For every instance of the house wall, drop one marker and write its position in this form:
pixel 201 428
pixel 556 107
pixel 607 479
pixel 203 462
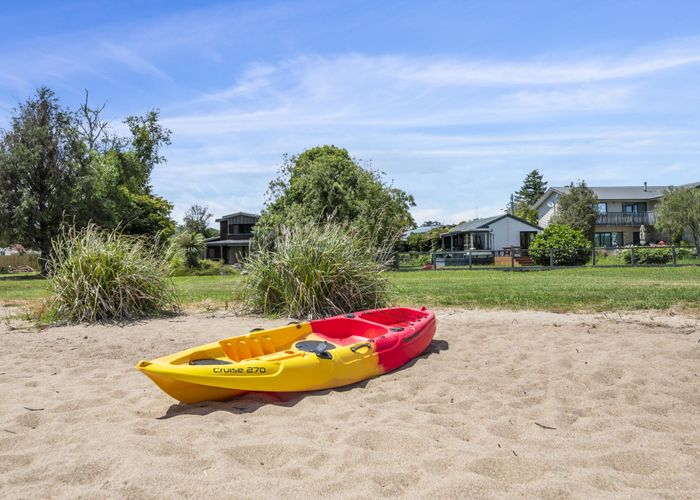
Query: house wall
pixel 506 232
pixel 545 212
pixel 616 205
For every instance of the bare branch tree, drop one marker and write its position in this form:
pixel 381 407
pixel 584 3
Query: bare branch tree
pixel 91 124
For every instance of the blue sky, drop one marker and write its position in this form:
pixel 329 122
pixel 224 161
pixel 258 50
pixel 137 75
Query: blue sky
pixel 455 101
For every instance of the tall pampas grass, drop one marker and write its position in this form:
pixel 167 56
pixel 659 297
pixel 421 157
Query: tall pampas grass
pixel 317 270
pixel 97 275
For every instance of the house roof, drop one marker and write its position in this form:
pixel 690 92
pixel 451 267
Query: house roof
pixel 483 224
pixel 419 230
pixel 616 192
pixel 228 216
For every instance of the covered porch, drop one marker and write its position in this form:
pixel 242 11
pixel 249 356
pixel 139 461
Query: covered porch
pixel 478 239
pixel 228 251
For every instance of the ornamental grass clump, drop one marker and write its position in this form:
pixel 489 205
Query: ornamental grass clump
pixel 316 270
pixel 97 275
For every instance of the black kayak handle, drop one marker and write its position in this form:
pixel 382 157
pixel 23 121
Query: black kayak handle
pixel 356 347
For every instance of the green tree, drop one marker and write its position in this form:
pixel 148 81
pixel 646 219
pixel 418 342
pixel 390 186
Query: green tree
pixel 43 167
pixel 679 211
pixel 425 242
pixel 325 182
pixel 121 194
pixel 534 186
pixel 577 209
pixel 196 220
pixel 561 245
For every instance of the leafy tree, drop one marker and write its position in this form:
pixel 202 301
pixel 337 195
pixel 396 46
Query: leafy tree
pixel 325 182
pixel 197 219
pixel 431 223
pixel 121 169
pixel 679 211
pixel 568 246
pixel 425 242
pixel 577 209
pixel 43 166
pixel 534 186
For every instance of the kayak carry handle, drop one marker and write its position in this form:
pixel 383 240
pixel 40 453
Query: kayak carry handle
pixel 356 347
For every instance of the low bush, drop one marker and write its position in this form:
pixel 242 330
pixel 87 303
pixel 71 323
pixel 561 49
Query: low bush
pixel 204 268
pixel 646 255
pixel 99 275
pixel 316 270
pixel 568 246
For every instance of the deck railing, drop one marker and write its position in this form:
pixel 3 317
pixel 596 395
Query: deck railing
pixel 626 219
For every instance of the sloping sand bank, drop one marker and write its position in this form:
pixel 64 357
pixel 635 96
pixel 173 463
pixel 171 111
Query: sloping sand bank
pixel 502 404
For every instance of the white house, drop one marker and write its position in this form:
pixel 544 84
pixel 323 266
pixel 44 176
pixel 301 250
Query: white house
pixel 492 233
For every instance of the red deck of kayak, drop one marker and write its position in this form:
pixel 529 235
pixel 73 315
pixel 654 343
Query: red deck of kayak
pixel 398 335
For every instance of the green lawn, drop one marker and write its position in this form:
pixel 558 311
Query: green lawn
pixel 559 290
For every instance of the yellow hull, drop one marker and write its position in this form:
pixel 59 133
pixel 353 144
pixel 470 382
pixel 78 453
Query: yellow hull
pixel 284 369
pixel 321 354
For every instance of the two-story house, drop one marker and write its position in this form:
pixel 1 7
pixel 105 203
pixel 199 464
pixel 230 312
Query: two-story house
pixel 626 214
pixel 233 243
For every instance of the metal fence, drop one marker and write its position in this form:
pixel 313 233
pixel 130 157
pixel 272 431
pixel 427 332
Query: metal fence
pixel 517 259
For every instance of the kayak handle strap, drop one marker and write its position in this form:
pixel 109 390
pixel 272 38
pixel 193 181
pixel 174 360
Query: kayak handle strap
pixel 356 347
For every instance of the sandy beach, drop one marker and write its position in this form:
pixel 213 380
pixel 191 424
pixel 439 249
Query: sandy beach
pixel 503 404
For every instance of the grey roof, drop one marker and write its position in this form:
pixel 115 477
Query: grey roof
pixel 483 224
pixel 604 193
pixel 228 216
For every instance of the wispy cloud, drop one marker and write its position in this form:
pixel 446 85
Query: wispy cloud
pixel 458 130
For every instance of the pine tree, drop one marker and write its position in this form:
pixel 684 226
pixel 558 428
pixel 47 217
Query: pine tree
pixel 43 166
pixel 577 209
pixel 534 186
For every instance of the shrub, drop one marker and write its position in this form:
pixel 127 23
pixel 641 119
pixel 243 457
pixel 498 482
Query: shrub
pixel 104 275
pixel 571 248
pixel 187 248
pixel 205 268
pixel 316 270
pixel 657 255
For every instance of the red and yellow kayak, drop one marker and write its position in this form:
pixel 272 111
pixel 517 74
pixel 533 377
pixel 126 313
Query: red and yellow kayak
pixel 307 356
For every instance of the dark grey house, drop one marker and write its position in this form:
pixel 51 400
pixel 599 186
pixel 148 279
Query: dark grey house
pixel 233 242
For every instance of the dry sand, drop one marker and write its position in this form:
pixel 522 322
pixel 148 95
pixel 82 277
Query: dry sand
pixel 503 404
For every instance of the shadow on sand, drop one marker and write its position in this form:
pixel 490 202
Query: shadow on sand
pixel 252 401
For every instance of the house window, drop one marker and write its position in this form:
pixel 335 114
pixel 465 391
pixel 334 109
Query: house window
pixel 602 208
pixel 608 239
pixel 634 208
pixel 635 238
pixel 240 228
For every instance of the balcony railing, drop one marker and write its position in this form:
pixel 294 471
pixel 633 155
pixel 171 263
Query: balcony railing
pixel 626 219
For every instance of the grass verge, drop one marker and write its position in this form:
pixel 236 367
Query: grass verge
pixel 586 289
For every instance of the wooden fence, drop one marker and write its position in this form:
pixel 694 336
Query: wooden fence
pixel 14 261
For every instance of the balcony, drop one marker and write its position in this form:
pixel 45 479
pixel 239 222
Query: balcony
pixel 626 219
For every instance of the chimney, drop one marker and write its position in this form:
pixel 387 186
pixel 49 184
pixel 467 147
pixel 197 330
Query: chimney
pixel 645 186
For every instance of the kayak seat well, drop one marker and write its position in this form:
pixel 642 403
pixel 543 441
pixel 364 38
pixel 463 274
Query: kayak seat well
pixel 347 331
pixel 399 317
